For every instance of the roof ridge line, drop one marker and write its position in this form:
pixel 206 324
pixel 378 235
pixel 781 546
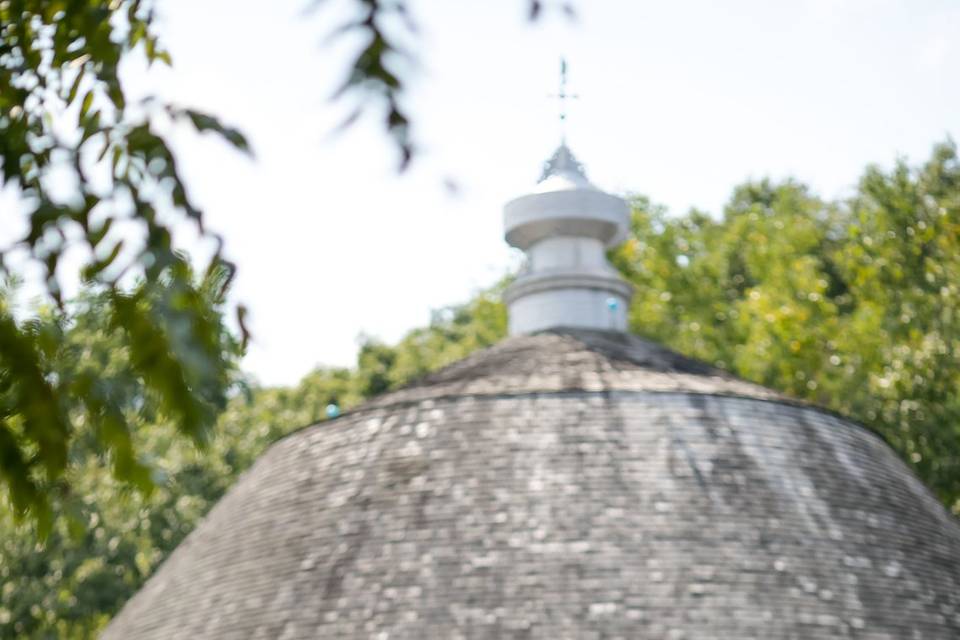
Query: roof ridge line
pixel 784 401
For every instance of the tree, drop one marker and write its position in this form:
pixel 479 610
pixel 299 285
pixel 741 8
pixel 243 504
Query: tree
pixel 851 305
pixel 109 536
pixel 63 112
pixel 454 333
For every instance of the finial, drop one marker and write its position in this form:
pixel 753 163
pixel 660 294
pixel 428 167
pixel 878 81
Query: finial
pixel 562 98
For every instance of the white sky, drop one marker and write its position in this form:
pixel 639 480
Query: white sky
pixel 680 100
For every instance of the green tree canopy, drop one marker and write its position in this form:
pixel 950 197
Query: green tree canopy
pixel 65 120
pixel 852 305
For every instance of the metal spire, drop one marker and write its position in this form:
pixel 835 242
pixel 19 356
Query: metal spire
pixel 562 98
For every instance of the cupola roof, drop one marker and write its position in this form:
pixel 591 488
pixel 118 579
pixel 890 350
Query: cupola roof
pixel 563 171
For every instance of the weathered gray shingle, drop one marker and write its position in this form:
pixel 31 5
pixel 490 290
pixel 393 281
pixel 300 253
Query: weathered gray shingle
pixel 567 485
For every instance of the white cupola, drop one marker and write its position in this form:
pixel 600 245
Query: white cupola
pixel 565 227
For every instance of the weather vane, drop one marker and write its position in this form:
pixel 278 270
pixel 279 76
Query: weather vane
pixel 562 98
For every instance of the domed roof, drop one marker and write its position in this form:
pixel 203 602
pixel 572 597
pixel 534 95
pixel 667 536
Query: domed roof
pixel 569 484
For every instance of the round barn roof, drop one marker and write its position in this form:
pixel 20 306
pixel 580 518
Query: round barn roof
pixel 569 484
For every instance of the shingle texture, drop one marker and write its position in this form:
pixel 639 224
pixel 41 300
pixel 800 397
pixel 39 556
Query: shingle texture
pixel 567 485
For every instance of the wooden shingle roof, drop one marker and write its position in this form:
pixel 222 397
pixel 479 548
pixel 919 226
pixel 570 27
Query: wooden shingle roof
pixel 570 484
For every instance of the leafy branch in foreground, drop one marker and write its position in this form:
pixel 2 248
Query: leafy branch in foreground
pixel 373 77
pixel 97 179
pixel 110 535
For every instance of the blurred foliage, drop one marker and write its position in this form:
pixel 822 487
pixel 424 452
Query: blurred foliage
pixel 853 305
pixel 453 333
pixel 375 79
pixel 122 506
pixel 85 163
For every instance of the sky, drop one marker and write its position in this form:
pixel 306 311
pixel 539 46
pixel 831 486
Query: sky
pixel 679 100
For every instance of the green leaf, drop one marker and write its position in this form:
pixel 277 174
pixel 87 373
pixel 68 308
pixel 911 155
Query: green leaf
pixel 86 104
pixel 75 87
pixel 205 122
